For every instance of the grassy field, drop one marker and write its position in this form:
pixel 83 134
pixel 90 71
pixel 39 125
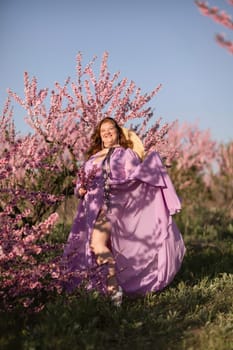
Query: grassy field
pixel 194 312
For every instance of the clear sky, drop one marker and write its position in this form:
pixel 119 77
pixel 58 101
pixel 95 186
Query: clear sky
pixel 149 42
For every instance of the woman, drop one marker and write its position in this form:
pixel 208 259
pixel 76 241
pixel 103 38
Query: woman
pixel 124 227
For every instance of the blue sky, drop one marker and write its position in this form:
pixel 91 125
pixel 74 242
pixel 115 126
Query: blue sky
pixel 149 42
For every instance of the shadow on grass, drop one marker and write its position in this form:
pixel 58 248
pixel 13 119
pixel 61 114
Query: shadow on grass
pixel 89 322
pixel 206 259
pixel 161 321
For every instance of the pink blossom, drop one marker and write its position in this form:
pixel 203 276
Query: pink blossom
pixel 221 17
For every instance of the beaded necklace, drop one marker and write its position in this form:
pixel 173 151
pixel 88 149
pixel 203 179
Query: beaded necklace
pixel 106 175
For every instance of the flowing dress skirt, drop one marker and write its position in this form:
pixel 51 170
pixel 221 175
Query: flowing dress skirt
pixel 146 244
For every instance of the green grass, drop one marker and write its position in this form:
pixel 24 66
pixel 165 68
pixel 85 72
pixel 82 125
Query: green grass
pixel 194 312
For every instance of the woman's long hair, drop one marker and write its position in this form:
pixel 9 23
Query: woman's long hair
pixel 96 142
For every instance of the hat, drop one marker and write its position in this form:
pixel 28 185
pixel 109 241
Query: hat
pixel 137 143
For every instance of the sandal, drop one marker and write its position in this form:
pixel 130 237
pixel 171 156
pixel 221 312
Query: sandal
pixel 117 296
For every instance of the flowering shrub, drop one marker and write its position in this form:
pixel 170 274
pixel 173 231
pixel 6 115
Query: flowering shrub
pixel 222 180
pixel 194 154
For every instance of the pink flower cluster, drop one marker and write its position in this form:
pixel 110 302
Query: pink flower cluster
pixel 220 17
pixel 227 44
pixel 85 180
pixel 21 247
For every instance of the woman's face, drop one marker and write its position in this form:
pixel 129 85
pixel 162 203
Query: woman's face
pixel 108 134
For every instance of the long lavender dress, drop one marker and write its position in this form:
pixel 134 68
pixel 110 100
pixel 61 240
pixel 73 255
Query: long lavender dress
pixel 145 241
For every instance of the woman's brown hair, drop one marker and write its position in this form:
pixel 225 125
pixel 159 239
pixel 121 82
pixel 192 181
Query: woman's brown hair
pixel 96 142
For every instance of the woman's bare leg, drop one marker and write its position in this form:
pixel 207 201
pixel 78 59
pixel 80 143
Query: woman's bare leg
pixel 99 245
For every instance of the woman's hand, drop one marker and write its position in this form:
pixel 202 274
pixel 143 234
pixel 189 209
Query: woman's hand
pixel 82 191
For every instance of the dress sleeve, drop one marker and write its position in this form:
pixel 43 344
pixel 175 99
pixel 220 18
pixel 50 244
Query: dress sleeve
pixel 131 161
pixel 123 163
pixel 154 173
pixel 126 166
